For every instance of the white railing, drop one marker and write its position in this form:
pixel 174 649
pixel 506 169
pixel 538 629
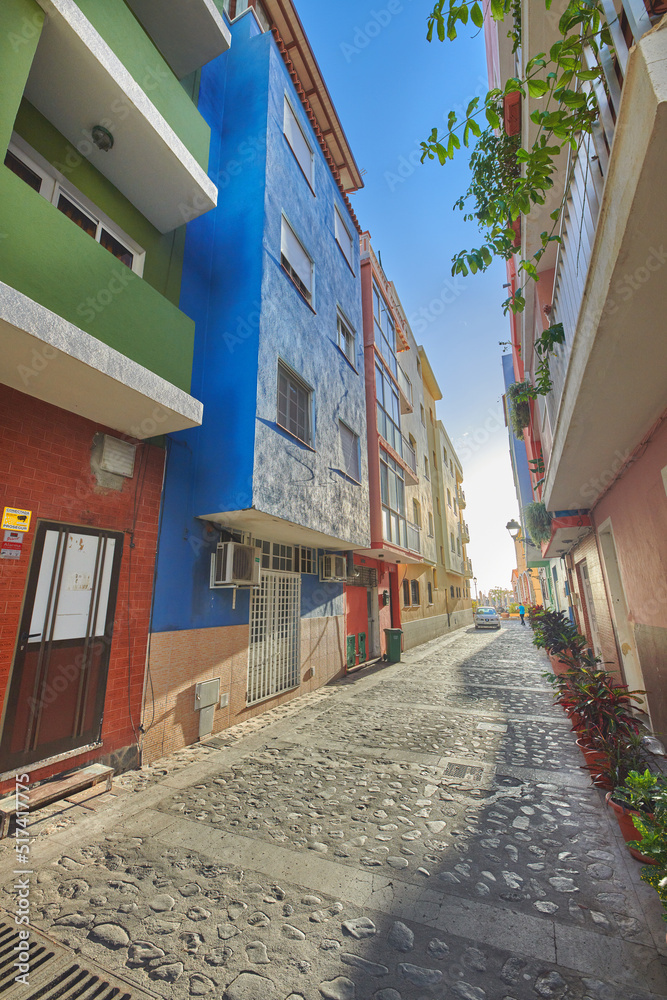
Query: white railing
pixel 414 535
pixel 410 456
pixel 405 385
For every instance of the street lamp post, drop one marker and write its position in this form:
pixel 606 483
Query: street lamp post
pixel 474 580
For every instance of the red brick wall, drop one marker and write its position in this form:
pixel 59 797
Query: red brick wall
pixel 45 458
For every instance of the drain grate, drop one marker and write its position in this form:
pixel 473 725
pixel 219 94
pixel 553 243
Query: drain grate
pixel 464 771
pixel 55 973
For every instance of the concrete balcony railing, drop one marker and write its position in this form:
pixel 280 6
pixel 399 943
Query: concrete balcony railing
pixel 109 346
pixel 465 533
pixel 467 570
pixel 461 498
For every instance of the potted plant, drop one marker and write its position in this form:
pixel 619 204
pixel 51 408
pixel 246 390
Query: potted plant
pixel 636 797
pixel 538 522
pixel 653 843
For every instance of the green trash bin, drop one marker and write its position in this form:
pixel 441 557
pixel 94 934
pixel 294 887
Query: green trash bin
pixel 351 651
pixel 394 636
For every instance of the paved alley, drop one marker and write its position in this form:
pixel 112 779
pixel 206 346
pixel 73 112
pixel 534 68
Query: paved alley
pixel 422 830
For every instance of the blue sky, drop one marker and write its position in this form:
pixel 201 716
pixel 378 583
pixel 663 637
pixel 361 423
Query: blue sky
pixel 390 87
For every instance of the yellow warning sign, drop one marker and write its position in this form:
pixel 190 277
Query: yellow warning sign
pixel 15 519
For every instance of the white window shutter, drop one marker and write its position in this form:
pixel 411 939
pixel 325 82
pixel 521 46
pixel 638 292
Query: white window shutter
pixel 298 142
pixel 296 255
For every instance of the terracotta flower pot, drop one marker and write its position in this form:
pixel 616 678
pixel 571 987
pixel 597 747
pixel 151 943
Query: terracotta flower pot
pixel 628 828
pixel 557 664
pixel 595 764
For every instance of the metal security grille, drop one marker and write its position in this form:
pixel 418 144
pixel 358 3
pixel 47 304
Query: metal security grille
pixel 56 973
pixel 275 649
pixel 363 577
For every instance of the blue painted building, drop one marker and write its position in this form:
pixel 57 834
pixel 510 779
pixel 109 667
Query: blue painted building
pixel 263 501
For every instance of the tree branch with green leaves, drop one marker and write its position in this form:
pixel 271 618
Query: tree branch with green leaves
pixel 508 178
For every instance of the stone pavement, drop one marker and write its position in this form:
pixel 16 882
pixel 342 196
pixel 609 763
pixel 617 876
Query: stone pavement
pixel 421 831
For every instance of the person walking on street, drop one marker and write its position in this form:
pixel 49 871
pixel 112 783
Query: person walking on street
pixel 522 612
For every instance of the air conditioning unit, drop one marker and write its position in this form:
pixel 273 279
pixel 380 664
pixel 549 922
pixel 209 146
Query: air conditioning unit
pixel 333 569
pixel 235 565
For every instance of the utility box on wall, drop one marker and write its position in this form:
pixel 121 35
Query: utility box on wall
pixel 207 696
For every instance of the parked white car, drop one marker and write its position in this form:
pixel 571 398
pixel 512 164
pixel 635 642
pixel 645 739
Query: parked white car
pixel 487 618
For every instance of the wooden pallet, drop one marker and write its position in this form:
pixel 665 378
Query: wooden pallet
pixel 52 791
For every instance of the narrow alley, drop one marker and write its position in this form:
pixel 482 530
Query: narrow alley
pixel 421 830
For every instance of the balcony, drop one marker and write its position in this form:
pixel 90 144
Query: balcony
pixel 110 73
pixel 83 331
pixel 188 36
pixel 405 390
pixel 607 290
pixel 465 533
pixel 467 570
pixel 461 498
pixel 410 459
pixel 414 537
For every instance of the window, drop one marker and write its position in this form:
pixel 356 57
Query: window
pixel 346 338
pixel 385 330
pixel 435 579
pixel 430 524
pixel 423 416
pixel 305 560
pixel 449 498
pixel 437 504
pixel 416 513
pixel 426 473
pixel 296 261
pixel 388 409
pixel 456 507
pixel 442 555
pixel 392 493
pixel 75 208
pixel 451 535
pixel 349 445
pixel 23 171
pixel 444 455
pixel 414 587
pixel 451 590
pixel 429 592
pixel 430 413
pixel 406 593
pixel 451 466
pixel 298 143
pixel 435 462
pixel 343 238
pixel 458 591
pixel 294 404
pixel 458 546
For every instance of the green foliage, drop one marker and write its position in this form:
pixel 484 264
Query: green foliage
pixel 561 78
pixel 653 844
pixel 518 396
pixel 538 522
pixel 640 791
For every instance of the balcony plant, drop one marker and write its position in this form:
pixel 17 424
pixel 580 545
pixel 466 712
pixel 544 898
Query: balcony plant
pixel 538 522
pixel 519 407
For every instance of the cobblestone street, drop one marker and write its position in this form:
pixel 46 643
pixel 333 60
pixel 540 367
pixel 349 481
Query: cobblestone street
pixel 421 830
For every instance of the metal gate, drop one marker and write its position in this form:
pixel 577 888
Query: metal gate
pixel 274 655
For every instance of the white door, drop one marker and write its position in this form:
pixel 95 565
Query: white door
pixel 274 654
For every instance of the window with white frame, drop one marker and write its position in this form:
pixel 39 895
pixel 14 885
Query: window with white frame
pixel 296 261
pixel 298 142
pixel 388 409
pixel 294 404
pixel 35 172
pixel 392 493
pixel 349 446
pixel 346 338
pixel 343 238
